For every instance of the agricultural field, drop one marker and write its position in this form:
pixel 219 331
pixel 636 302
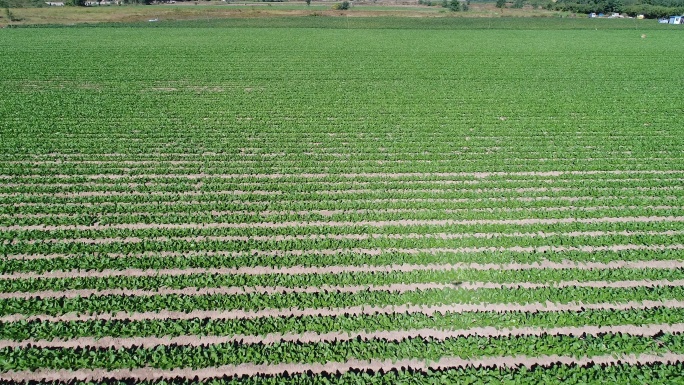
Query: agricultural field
pixel 185 204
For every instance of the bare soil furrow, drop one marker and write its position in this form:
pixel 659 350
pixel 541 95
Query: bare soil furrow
pixel 86 194
pixel 405 222
pixel 332 337
pixel 374 365
pixel 170 272
pixel 395 288
pixel 348 311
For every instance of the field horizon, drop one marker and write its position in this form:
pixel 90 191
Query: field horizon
pixel 219 13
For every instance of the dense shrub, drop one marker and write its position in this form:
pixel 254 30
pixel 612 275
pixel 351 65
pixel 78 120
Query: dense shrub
pixel 342 6
pixel 648 8
pixel 652 11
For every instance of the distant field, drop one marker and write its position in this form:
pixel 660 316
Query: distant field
pixel 347 201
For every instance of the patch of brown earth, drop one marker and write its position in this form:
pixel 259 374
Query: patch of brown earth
pixel 478 175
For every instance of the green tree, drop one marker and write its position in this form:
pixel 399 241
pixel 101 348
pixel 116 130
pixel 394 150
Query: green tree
pixel 501 3
pixel 455 5
pixel 613 6
pixel 518 3
pixel 308 2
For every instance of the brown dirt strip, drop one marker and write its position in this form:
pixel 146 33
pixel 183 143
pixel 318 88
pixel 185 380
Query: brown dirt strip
pixel 86 194
pixel 374 365
pixel 289 183
pixel 330 213
pixel 478 175
pixel 176 272
pixel 121 184
pixel 355 237
pixel 228 156
pixel 347 311
pixel 394 288
pixel 333 337
pixel 154 159
pixel 206 155
pixel 405 222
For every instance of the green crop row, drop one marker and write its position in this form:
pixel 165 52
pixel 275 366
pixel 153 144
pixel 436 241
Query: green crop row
pixel 201 205
pixel 396 193
pixel 325 299
pixel 568 224
pixel 195 240
pixel 174 184
pixel 540 276
pixel 165 217
pixel 665 374
pixel 539 249
pixel 168 357
pixel 478 161
pixel 209 260
pixel 38 330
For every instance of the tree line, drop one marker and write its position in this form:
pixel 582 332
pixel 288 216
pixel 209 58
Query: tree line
pixel 648 8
